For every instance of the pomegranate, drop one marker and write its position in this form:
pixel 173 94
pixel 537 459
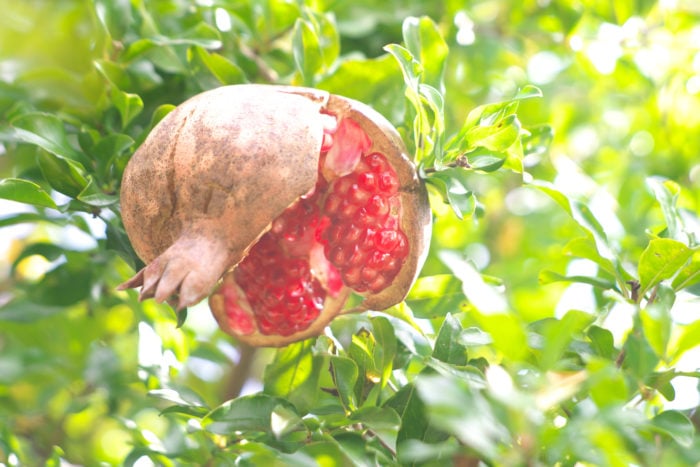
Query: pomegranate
pixel 278 202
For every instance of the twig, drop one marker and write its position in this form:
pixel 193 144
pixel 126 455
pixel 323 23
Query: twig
pixel 461 161
pixel 240 372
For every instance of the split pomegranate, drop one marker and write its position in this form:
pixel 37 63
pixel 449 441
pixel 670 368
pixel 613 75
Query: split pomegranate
pixel 278 202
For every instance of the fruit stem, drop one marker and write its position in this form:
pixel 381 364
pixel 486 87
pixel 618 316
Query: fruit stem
pixel 461 161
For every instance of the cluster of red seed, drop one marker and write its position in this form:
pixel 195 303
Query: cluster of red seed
pixel 364 241
pixel 276 276
pixel 355 218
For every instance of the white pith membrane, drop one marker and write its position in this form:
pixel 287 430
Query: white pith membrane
pixel 345 234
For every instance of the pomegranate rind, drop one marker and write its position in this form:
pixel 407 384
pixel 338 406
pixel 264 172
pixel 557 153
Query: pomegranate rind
pixel 251 151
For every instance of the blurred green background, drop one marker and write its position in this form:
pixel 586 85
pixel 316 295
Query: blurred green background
pixel 621 93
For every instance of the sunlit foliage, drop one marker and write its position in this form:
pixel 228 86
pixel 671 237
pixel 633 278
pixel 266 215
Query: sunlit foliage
pixel 557 319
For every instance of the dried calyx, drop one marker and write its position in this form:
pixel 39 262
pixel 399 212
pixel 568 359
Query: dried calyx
pixel 278 203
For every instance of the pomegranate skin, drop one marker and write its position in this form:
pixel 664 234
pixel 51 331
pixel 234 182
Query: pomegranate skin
pixel 216 171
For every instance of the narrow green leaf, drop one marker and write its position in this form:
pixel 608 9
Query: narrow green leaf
pixel 345 374
pixel 661 260
pixel 666 193
pixel 497 137
pixel 548 277
pixel 425 42
pixel 410 67
pixel 306 50
pixel 411 410
pixel 24 191
pixel 180 396
pixel 46 131
pixel 528 92
pixel 385 348
pixel 28 217
pixel 656 320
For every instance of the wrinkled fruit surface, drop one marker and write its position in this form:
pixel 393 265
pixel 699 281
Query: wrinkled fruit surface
pixel 358 222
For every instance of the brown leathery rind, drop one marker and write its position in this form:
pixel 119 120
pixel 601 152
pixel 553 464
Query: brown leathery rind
pixel 252 150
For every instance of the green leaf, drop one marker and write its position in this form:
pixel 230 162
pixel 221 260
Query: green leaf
pixel 474 336
pixel 686 338
pixel 94 196
pixel 640 358
pixel 182 397
pixel 411 410
pixel 24 191
pixel 656 320
pixel 224 70
pixel 602 341
pixel 666 193
pixel 583 216
pixel 606 383
pixel 118 241
pixel 689 275
pixel 491 310
pixel 46 131
pixel 385 349
pixel 129 105
pixel 28 217
pixel 433 296
pixel 307 52
pixel 64 175
pixel 451 185
pixel 345 375
pixel 448 346
pixel 383 421
pixel 675 425
pixel 661 260
pixel 528 92
pixel 410 67
pixel 460 410
pixel 294 374
pixel 557 334
pixel 425 42
pixel 585 247
pixel 254 413
pixel 496 137
pixel 549 277
pixel 67 283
